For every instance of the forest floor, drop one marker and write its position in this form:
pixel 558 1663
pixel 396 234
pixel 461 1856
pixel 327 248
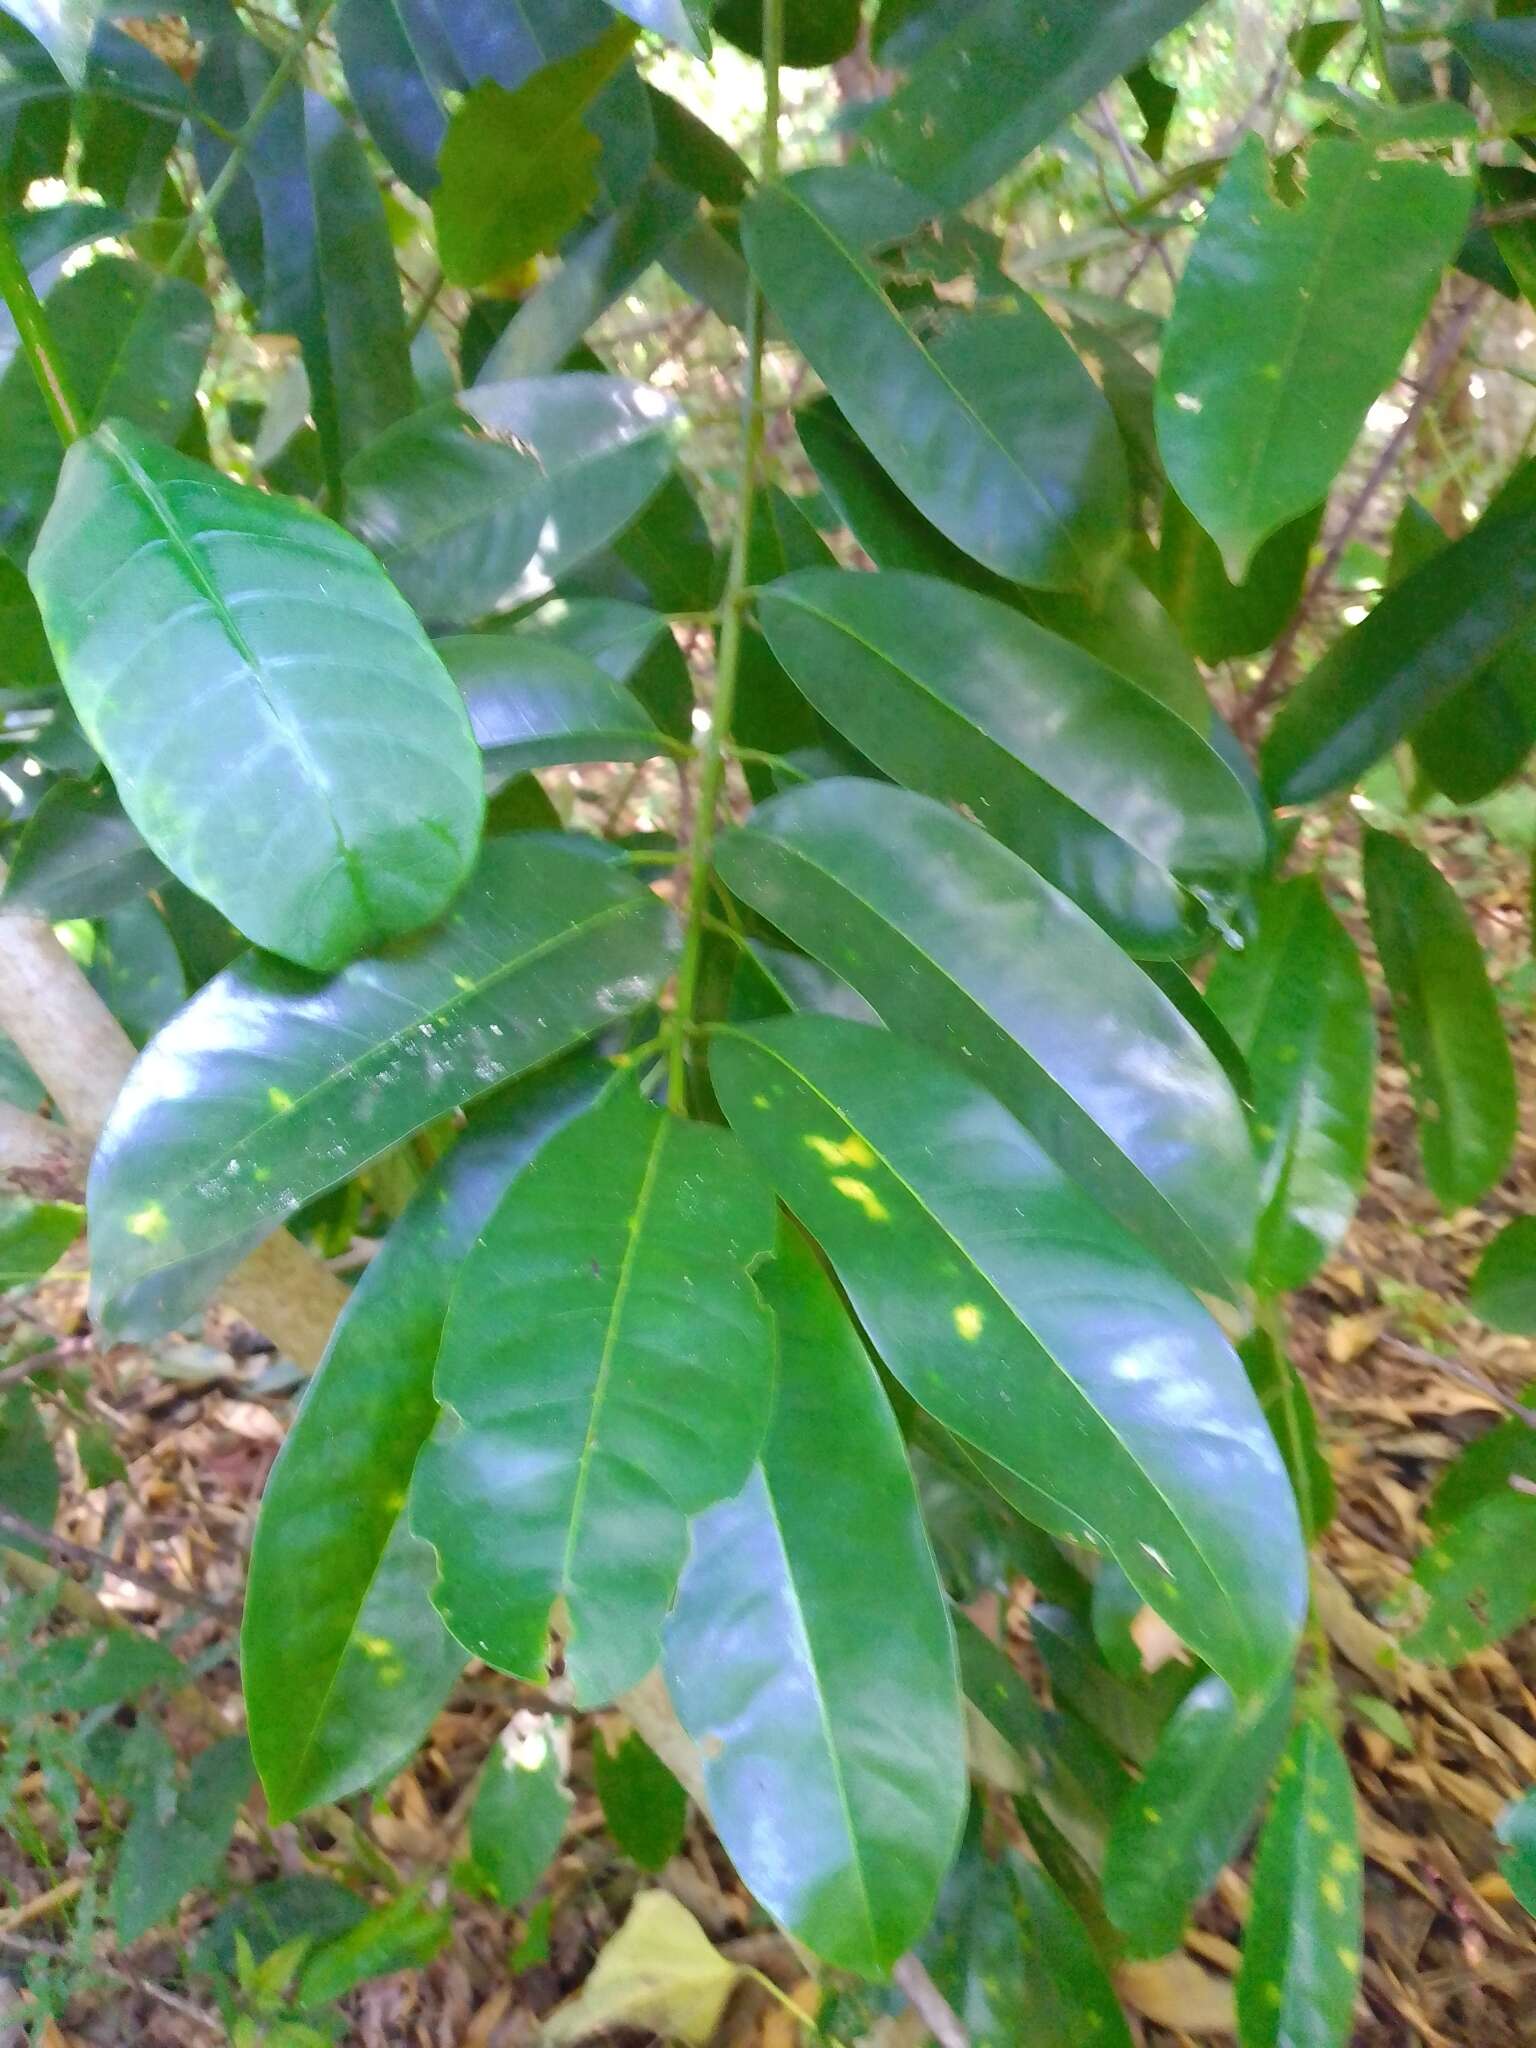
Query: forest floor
pixel 1450 1959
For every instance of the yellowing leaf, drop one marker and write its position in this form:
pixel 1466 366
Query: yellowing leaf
pixel 659 1974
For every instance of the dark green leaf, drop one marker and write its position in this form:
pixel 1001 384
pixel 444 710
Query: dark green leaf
pixel 1504 1285
pixel 533 704
pixel 841 1819
pixel 1292 1420
pixel 1501 55
pixel 1454 1046
pixel 270 1915
pixel 34 1236
pixel 667 545
pixel 816 32
pixel 606 1309
pixel 995 431
pixel 685 22
pixel 131 346
pixel 968 1258
pixel 1301 1949
pixel 256 690
pixel 1479 1575
pixel 405 1934
pixel 645 1808
pixel 517 170
pixel 29 1472
pixel 273 1085
pixel 1156 101
pixel 1296 1003
pixel 630 644
pixel 1128 1710
pixel 1218 618
pixel 1516 1829
pixel 1112 798
pixel 63 27
pixel 136 969
pixel 1288 322
pixel 1191 1811
pixel 959 944
pixel 344 1659
pixel 161 1857
pixel 26 660
pixel 1002 80
pixel 79 855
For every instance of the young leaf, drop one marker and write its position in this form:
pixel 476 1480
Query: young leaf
pixel 1454 1045
pixel 78 856
pixel 1112 798
pixel 255 689
pixel 971 1261
pixel 645 1809
pixel 518 169
pixel 520 1812
pixel 1504 1285
pixel 343 1657
pixel 995 431
pixel 1191 1811
pixel 958 944
pixel 1301 1949
pixel 1296 1002
pixel 1002 80
pixel 532 703
pixel 1288 322
pixel 841 1819
pixel 272 1086
pixel 162 1858
pixel 34 1236
pixel 607 1311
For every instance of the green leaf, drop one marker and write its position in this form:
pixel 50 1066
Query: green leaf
pixel 404 1934
pixel 344 1660
pixel 1292 1421
pixel 1504 1285
pixel 632 645
pixel 63 27
pixel 34 1236
pixel 1109 796
pixel 1002 80
pixel 1460 1068
pixel 960 945
pixel 521 1813
pixel 1019 1316
pixel 163 1857
pixel 995 431
pixel 132 347
pixel 29 1472
pixel 136 970
pixel 1501 56
pixel 257 690
pixel 1191 1811
pixel 1295 1001
pixel 1479 1575
pixel 1516 1829
pixel 79 855
pixel 1218 618
pixel 518 169
pixel 533 704
pixel 273 1913
pixel 816 32
pixel 1129 1709
pixel 607 1307
pixel 840 1819
pixel 684 22
pixel 272 1086
pixel 644 1807
pixel 1288 322
pixel 1301 1949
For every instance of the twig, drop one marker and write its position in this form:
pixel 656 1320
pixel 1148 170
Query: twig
pixel 40 1907
pixel 147 1985
pixel 1446 349
pixel 69 1552
pixel 44 1361
pixel 929 2003
pixel 1455 1370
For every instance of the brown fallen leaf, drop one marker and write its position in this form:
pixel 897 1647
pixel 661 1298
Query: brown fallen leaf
pixel 1175 1992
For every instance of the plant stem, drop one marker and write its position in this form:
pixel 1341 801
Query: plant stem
pixel 32 326
pixel 1373 15
pixel 715 751
pixel 276 86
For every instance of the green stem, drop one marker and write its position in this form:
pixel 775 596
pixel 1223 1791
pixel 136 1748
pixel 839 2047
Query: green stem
pixel 32 326
pixel 276 86
pixel 1374 16
pixel 715 751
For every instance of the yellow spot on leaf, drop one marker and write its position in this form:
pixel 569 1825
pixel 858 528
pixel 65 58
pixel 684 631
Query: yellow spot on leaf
pixel 151 1221
pixel 1348 1957
pixel 1151 1816
pixel 1317 1822
pixel 968 1321
pixel 1343 1858
pixel 861 1192
pixel 1273 1994
pixel 759 1102
pixel 280 1100
pixel 851 1151
pixel 1332 1894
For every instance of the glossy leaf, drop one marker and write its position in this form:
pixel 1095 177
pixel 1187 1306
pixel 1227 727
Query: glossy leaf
pixel 995 431
pixel 163 1857
pixel 816 32
pixel 532 703
pixel 1292 1420
pixel 136 970
pixel 272 1085
pixel 1460 1068
pixel 63 27
pixel 520 1813
pixel 79 855
pixel 1002 80
pixel 1191 1811
pixel 1301 1949
pixel 132 347
pixel 1289 321
pixel 1109 796
pixel 632 645
pixel 1218 618
pixel 607 1307
pixel 786 1648
pixel 1295 1001
pixel 1516 1829
pixel 34 1236
pixel 645 1809
pixel 685 22
pixel 517 170
pixel 1428 637
pixel 960 945
pixel 344 1660
pixel 1504 1285
pixel 255 729
pixel 968 1258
